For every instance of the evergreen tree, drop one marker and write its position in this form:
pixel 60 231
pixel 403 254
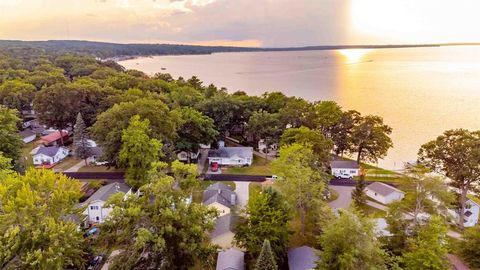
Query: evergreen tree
pixel 80 139
pixel 358 194
pixel 266 260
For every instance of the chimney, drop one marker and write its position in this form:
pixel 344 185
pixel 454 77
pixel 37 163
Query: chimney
pixel 233 199
pixel 219 191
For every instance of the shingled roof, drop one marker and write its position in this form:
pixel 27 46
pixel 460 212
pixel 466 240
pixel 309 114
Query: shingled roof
pixel 230 259
pixel 302 258
pixel 344 164
pixel 50 151
pixel 227 152
pixel 382 189
pixel 219 193
pixel 106 191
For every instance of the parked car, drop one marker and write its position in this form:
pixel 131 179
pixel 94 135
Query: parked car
pixel 95 262
pixel 90 232
pixel 214 167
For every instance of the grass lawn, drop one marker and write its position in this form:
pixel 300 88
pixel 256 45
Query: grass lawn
pixel 99 169
pixel 67 163
pixel 372 212
pixel 26 158
pixel 260 166
pixel 197 195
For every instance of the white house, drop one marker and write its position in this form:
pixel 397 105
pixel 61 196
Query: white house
pixel 49 155
pixel 220 197
pixel 472 210
pixel 231 156
pixel 383 193
pixel 184 156
pixel 95 211
pixel 27 135
pixel 345 168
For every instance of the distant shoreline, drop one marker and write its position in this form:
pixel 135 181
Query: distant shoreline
pixel 296 49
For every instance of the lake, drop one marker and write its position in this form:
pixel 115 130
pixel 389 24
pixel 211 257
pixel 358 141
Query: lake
pixel 420 92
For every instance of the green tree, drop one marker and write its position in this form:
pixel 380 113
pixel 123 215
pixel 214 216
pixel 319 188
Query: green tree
pixel 455 154
pixel 110 124
pixel 80 139
pixel 10 141
pixel 34 231
pixel 428 249
pixel 138 152
pixel 349 243
pixel 16 94
pixel 266 217
pixel 299 178
pixel 371 139
pixel 469 248
pixel 266 126
pixel 296 113
pixel 195 129
pixel 326 115
pixel 266 260
pixel 342 132
pixel 321 146
pixel 159 230
pixel 221 108
pixel 358 194
pixel 274 101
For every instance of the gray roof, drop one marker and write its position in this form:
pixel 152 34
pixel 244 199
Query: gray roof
pixel 96 151
pixel 50 151
pixel 103 193
pixel 344 164
pixel 302 258
pixel 220 193
pixel 230 259
pixel 382 189
pixel 27 133
pixel 222 225
pixel 226 152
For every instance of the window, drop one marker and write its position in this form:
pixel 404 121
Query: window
pixel 97 218
pixel 353 171
pixel 94 207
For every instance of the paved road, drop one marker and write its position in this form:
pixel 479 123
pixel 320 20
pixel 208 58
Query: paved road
pixel 235 177
pixel 241 188
pixel 344 197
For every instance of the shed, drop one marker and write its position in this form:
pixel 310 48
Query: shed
pixel 384 193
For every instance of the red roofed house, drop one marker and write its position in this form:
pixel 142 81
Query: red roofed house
pixel 54 139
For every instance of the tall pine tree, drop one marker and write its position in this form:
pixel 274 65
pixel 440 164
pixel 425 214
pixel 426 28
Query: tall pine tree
pixel 80 139
pixel 266 260
pixel 358 194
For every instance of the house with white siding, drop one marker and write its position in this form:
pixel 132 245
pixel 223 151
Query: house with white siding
pixel 95 210
pixel 231 156
pixel 221 197
pixel 48 155
pixel 344 168
pixel 384 193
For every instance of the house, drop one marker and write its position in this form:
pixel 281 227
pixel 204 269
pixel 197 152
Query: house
pixel 185 156
pixel 220 197
pixel 231 156
pixel 54 139
pixel 345 168
pixel 230 259
pixel 49 155
pixel 27 135
pixel 472 210
pixel 222 235
pixel 383 193
pixel 302 258
pixel 95 211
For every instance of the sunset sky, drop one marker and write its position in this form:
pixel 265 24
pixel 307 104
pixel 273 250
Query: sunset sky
pixel 268 23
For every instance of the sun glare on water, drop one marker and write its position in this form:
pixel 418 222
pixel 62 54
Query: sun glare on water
pixel 353 55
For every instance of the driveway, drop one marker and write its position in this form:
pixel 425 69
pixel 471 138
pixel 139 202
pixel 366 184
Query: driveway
pixel 76 167
pixel 344 197
pixel 202 160
pixel 241 188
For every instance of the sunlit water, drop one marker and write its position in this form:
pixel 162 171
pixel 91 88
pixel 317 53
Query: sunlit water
pixel 420 92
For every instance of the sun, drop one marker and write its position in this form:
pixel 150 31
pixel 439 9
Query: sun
pixel 353 55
